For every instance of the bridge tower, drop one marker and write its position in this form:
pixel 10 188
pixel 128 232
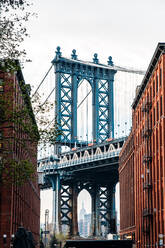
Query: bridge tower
pixel 68 75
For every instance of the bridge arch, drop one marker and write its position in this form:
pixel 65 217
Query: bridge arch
pixel 98 151
pixel 75 156
pixel 111 148
pixel 86 154
pixel 84 111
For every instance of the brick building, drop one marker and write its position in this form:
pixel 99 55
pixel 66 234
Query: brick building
pixel 149 155
pixel 127 197
pixel 19 204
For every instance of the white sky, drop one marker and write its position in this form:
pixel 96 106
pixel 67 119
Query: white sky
pixel 127 30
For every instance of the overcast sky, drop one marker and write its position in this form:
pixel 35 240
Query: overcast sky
pixel 127 30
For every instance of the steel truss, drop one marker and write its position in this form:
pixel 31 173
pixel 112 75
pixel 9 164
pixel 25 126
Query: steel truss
pixel 66 207
pixel 69 75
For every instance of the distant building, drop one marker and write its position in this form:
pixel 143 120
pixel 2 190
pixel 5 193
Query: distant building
pixel 84 223
pixel 19 205
pixel 87 225
pixel 81 227
pixel 144 162
pixel 82 212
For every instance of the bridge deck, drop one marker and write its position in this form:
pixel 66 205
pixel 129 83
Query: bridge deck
pixel 99 244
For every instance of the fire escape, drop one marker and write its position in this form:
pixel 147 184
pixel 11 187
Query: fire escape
pixel 147 160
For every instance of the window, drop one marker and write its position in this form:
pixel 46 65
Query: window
pixel 161 106
pixel 1 85
pixel 151 93
pixel 1 135
pixel 160 132
pixel 153 88
pixel 154 116
pixel 157 111
pixel 157 83
pixel 160 77
pixel 151 120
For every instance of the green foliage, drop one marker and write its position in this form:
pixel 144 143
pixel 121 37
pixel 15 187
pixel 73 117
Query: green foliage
pixel 13 17
pixel 61 237
pixel 58 239
pixel 53 241
pixel 24 132
pixel 16 172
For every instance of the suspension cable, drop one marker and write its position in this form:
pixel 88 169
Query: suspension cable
pixel 84 98
pixel 46 100
pixel 46 128
pixel 42 81
pixel 87 111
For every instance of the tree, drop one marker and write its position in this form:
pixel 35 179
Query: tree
pixel 53 242
pixel 18 128
pixel 58 240
pixel 13 17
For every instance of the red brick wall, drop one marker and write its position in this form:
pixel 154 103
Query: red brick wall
pixel 126 179
pixel 19 205
pixel 148 134
pixel 150 225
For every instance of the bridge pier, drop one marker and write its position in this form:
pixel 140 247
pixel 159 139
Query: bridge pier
pixel 95 230
pixel 112 210
pixel 74 211
pixel 64 217
pixel 55 181
pixel 103 210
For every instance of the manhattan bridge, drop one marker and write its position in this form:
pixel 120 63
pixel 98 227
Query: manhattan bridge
pixel 93 110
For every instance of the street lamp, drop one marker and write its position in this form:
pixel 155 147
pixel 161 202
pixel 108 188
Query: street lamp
pixel 46 222
pixel 12 239
pixel 4 239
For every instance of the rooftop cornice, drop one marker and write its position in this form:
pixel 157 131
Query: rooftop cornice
pixel 160 49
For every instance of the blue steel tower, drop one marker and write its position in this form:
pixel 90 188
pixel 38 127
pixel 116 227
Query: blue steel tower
pixel 68 75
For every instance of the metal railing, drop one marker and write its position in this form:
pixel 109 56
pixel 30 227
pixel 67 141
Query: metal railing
pixel 48 165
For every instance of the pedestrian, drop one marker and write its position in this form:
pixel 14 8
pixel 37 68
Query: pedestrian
pixel 41 244
pixel 20 239
pixel 31 241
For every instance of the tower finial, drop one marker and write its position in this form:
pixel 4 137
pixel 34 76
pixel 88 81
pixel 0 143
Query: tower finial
pixel 95 59
pixel 110 62
pixel 74 55
pixel 58 52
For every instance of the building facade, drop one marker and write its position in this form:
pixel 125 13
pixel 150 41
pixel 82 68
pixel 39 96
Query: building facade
pixel 127 194
pixel 149 154
pixel 19 201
